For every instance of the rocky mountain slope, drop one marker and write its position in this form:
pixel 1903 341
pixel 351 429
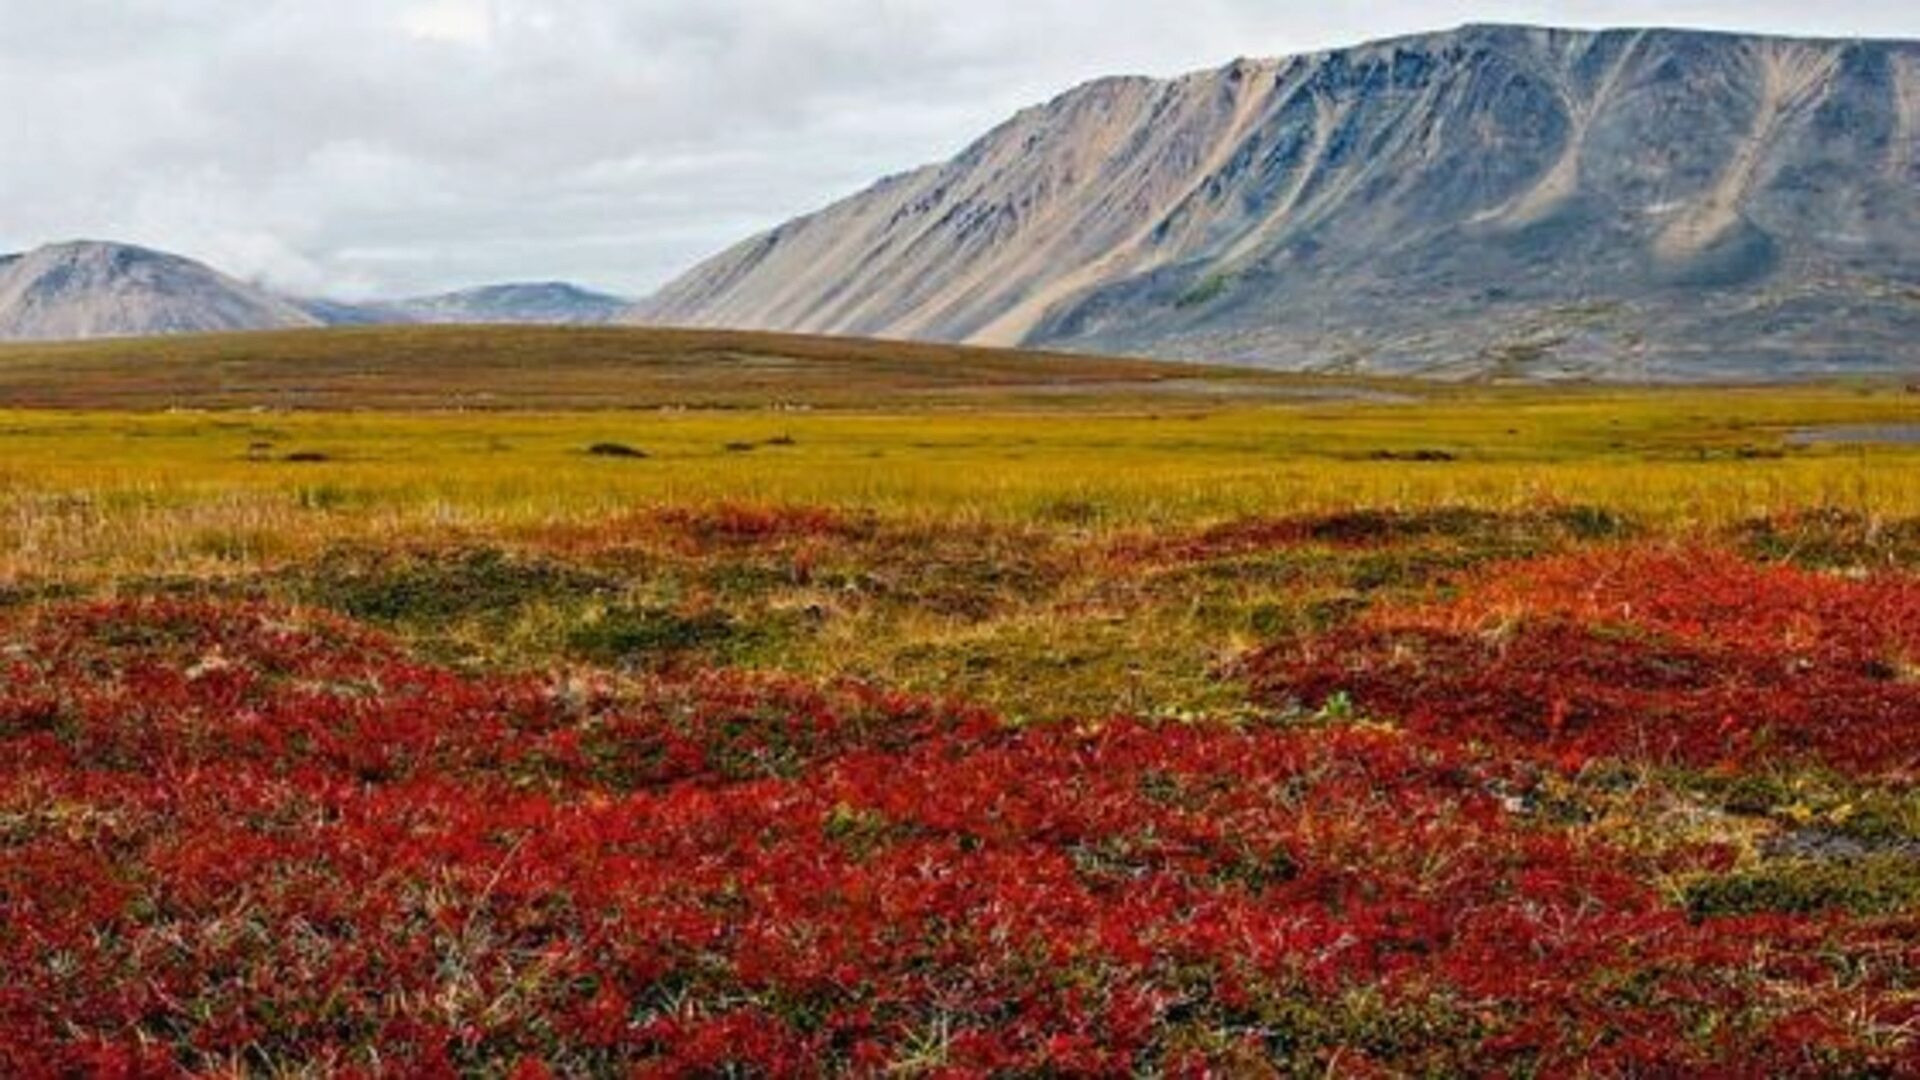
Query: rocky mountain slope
pixel 1494 200
pixel 90 290
pixel 549 303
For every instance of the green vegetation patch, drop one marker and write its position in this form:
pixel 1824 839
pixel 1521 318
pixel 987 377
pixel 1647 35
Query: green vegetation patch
pixel 441 586
pixel 1880 884
pixel 1838 807
pixel 649 636
pixel 1205 291
pixel 1831 538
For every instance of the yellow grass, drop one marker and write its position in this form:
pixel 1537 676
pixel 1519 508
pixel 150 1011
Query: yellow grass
pixel 85 494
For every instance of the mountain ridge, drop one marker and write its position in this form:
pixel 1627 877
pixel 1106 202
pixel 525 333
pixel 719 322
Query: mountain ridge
pixel 81 289
pixel 522 302
pixel 89 288
pixel 1493 199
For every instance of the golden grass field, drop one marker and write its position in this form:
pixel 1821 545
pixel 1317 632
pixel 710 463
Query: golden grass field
pixel 85 490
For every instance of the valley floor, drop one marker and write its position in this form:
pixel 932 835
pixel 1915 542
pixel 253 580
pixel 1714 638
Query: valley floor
pixel 1477 730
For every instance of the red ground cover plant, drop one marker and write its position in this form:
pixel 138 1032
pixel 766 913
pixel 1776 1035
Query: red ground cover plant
pixel 236 838
pixel 1684 656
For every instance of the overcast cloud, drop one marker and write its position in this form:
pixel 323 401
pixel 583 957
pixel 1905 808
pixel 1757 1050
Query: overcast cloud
pixel 377 147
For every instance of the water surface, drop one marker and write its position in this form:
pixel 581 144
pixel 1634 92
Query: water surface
pixel 1857 435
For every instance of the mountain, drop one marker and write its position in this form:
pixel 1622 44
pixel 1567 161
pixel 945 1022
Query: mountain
pixel 551 302
pixel 88 290
pixel 348 313
pixel 91 289
pixel 1495 200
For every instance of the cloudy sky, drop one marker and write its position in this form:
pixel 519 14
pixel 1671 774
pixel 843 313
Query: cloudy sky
pixel 376 147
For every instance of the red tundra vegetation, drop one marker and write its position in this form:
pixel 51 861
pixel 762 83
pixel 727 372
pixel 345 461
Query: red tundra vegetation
pixel 1667 655
pixel 243 838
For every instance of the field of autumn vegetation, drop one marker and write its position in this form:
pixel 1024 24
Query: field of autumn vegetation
pixel 1124 722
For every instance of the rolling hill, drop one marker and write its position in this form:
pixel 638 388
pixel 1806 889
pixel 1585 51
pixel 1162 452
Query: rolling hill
pixel 603 367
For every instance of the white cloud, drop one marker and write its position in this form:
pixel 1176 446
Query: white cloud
pixel 363 146
pixel 459 22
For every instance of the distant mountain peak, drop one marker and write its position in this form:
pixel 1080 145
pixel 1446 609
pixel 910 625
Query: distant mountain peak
pixel 1494 199
pixel 552 302
pixel 96 288
pixel 93 288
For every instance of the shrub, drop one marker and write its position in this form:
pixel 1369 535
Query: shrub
pixel 615 450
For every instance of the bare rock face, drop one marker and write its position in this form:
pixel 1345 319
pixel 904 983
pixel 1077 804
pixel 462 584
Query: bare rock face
pixel 1494 200
pixel 90 290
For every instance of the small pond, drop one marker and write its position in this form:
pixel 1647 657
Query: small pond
pixel 1857 435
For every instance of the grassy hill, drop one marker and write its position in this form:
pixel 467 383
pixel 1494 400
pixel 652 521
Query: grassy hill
pixel 549 368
